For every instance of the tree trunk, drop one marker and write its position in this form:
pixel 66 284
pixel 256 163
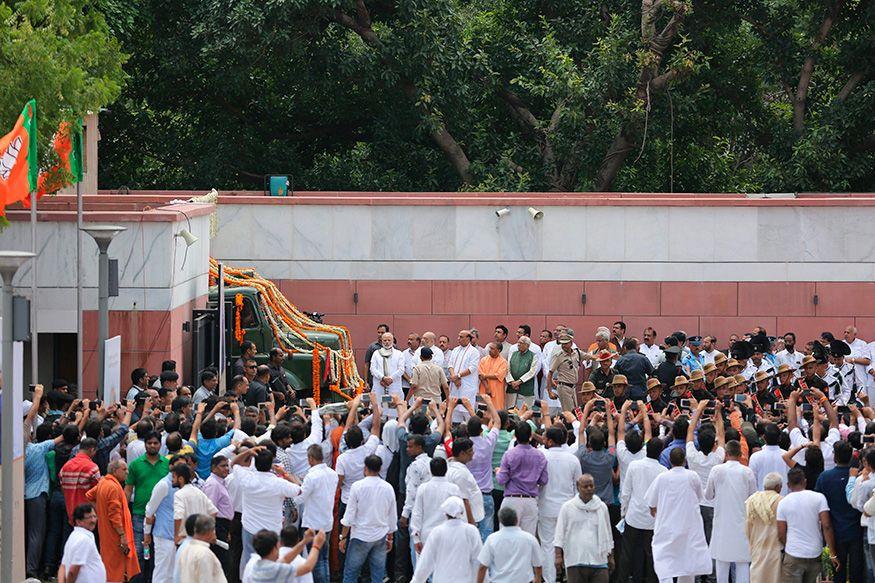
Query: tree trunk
pixel 800 101
pixel 440 135
pixel 615 158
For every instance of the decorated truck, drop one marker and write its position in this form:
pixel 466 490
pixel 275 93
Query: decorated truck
pixel 319 357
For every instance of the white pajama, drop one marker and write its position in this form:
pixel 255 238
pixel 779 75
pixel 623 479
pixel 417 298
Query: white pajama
pixel 526 511
pixel 546 533
pixel 165 557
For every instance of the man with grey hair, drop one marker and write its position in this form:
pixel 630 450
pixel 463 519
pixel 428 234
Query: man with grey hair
pixel 387 368
pixel 196 562
pixel 860 357
pixel 583 541
pixel 522 372
pixel 428 341
pixel 511 554
pixel 475 342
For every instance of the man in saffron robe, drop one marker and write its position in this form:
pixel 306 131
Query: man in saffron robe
pixel 492 370
pixel 115 528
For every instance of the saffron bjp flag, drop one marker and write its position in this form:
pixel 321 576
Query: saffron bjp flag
pixel 67 144
pixel 18 159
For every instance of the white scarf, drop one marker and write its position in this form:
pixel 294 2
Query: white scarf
pixel 386 353
pixel 461 359
pixel 604 540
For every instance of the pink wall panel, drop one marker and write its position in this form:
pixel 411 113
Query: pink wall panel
pixel 846 299
pixel 722 326
pixel 394 297
pixel 320 295
pixel 486 323
pixel 702 298
pixel 362 328
pixel 775 298
pixel 631 297
pixel 865 328
pixel 810 328
pixel 469 297
pixel 141 330
pixel 545 297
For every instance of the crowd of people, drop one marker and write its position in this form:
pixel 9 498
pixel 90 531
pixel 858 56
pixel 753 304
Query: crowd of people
pixel 545 459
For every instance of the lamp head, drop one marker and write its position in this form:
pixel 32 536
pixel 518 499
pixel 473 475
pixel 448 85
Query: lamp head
pixel 188 237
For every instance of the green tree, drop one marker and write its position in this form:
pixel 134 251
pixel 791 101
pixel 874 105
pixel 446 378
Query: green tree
pixel 671 95
pixel 60 52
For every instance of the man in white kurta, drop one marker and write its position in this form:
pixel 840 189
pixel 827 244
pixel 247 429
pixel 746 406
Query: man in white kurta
pixel 583 543
pixel 81 558
pixel 387 368
pixel 427 511
pixel 464 382
pixel 679 547
pixel 196 561
pixel 450 555
pixel 437 355
pixel 730 484
pixel 563 470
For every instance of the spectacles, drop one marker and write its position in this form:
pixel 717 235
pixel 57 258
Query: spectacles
pixel 251 366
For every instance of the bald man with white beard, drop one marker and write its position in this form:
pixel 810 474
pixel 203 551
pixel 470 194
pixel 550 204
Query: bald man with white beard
pixel 437 355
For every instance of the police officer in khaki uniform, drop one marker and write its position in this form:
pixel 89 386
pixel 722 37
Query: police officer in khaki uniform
pixel 562 379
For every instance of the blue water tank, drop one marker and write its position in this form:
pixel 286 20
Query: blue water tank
pixel 279 185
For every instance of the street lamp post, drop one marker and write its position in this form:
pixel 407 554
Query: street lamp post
pixel 102 235
pixel 10 261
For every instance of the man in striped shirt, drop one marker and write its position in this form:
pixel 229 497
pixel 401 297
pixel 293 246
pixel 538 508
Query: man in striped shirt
pixel 79 475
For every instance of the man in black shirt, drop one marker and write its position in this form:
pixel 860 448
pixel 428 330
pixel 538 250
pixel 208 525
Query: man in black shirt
pixel 809 375
pixel 654 395
pixel 248 353
pixel 669 370
pixel 258 391
pixel 636 367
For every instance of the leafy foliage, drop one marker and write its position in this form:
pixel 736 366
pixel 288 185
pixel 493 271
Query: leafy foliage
pixel 60 52
pixel 758 95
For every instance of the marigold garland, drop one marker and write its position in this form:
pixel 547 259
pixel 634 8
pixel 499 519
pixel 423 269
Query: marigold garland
pixel 285 320
pixel 238 315
pixel 317 385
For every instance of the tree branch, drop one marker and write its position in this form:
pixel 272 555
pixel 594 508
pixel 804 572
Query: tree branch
pixel 850 86
pixel 440 135
pixel 800 101
pixel 532 125
pixel 657 44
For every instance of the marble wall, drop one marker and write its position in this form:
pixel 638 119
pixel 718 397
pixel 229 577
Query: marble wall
pixel 604 243
pixel 156 273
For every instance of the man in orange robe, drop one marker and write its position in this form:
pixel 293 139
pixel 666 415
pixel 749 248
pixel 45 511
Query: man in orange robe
pixel 492 371
pixel 114 524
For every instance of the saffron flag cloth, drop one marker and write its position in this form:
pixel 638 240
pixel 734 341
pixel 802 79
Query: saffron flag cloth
pixel 18 159
pixel 67 144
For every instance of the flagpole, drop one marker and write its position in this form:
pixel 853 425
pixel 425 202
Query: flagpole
pixel 79 371
pixel 34 335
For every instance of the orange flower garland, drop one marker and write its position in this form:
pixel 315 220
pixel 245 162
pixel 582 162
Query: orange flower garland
pixel 238 329
pixel 286 321
pixel 317 386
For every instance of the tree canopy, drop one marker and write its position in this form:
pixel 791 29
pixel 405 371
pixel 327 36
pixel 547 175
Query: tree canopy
pixel 656 95
pixel 63 54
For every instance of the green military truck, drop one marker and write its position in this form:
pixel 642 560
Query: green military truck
pixel 257 329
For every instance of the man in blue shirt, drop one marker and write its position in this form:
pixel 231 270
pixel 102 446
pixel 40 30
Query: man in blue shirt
pixel 679 440
pixel 845 518
pixel 36 485
pixel 203 435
